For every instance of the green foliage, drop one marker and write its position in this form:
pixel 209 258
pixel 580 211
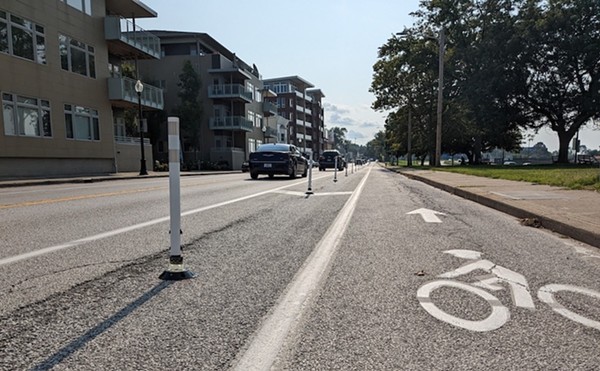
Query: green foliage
pixel 509 64
pixel 190 110
pixel 572 177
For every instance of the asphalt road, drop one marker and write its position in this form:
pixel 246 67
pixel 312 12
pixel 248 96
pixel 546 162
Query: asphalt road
pixel 286 280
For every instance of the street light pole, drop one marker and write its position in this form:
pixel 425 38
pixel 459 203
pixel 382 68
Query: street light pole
pixel 139 87
pixel 408 144
pixel 438 129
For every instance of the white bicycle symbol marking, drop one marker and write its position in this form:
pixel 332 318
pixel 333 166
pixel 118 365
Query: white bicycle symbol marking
pixel 500 314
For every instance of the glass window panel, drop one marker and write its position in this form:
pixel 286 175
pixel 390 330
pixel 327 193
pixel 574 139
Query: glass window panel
pixel 3 37
pixel 45 103
pixel 96 128
pixel 78 44
pixel 2 14
pixel 46 127
pixel 75 4
pixel 41 49
pixel 28 121
pixel 78 61
pixel 64 52
pixel 88 6
pixel 27 100
pixel 22 42
pixel 9 119
pixel 69 125
pixel 39 28
pixel 6 96
pixel 82 128
pixel 17 20
pixel 92 66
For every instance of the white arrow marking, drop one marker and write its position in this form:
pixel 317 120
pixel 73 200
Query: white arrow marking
pixel 429 216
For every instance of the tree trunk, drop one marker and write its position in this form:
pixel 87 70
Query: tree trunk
pixel 564 137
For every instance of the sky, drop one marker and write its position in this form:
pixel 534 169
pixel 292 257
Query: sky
pixel 332 44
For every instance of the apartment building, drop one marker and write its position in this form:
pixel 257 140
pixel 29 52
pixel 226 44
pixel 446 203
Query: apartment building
pixel 235 118
pixel 298 101
pixel 64 96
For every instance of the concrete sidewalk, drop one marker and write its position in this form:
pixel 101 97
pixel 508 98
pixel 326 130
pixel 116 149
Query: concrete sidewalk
pixel 572 213
pixel 575 214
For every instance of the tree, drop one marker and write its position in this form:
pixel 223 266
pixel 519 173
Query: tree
pixel 339 137
pixel 190 110
pixel 559 66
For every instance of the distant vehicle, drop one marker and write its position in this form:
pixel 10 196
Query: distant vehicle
pixel 245 167
pixel 509 163
pixel 359 161
pixel 276 158
pixel 327 160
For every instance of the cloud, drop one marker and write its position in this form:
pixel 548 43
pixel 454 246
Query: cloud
pixel 361 121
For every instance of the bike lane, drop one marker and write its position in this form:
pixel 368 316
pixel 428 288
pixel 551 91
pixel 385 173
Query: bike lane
pixel 375 309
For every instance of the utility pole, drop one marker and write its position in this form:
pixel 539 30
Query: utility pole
pixel 440 102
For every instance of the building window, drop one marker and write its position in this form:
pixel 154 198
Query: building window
pixel 251 145
pixel 252 118
pixel 259 120
pixel 22 38
pixel 81 123
pixel 76 56
pixel 280 87
pixel 281 102
pixel 84 6
pixel 26 116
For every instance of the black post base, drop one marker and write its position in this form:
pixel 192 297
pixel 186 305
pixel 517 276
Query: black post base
pixel 176 276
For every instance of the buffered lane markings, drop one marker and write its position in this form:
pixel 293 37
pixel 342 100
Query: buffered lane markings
pixel 75 198
pixel 81 241
pixel 270 338
pixel 303 194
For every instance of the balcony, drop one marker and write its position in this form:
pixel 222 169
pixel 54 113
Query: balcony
pixel 234 123
pixel 230 91
pixel 271 132
pixel 269 109
pixel 128 41
pixel 121 93
pixel 303 109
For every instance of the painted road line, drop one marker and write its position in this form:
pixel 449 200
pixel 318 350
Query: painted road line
pixel 429 216
pixel 115 232
pixel 303 194
pixel 269 339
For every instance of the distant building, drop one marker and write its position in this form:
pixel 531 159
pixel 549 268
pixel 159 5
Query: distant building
pixel 303 107
pixel 238 114
pixel 63 91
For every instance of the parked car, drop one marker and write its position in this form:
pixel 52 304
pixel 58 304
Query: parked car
pixel 327 160
pixel 245 167
pixel 277 158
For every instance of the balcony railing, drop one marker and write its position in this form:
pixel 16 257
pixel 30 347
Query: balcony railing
pixel 230 123
pixel 304 109
pixel 123 89
pixel 130 140
pixel 271 132
pixel 129 39
pixel 269 108
pixel 234 91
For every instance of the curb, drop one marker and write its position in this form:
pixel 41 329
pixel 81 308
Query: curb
pixel 576 233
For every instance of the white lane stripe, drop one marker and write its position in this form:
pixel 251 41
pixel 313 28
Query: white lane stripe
pixel 303 194
pixel 268 341
pixel 115 232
